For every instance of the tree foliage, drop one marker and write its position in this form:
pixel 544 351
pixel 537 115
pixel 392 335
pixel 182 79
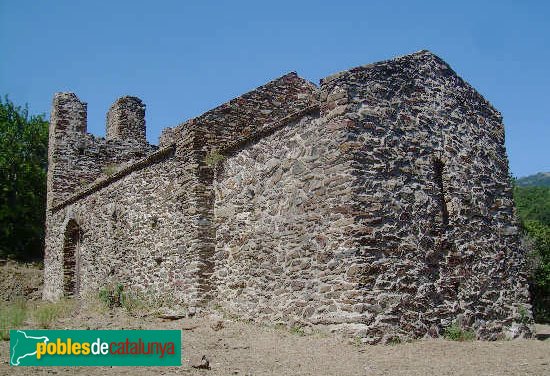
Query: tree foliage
pixel 23 162
pixel 542 179
pixel 533 207
pixel 533 204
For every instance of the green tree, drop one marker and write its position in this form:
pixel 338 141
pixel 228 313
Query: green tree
pixel 23 161
pixel 533 203
pixel 533 207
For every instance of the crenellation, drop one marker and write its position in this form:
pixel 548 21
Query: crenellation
pixel 68 124
pixel 126 120
pixel 69 114
pixel 377 205
pixel 77 158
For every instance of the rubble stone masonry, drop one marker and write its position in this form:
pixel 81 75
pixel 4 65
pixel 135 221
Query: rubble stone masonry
pixel 377 205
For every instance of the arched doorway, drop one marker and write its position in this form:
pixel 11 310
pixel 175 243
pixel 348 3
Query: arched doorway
pixel 71 260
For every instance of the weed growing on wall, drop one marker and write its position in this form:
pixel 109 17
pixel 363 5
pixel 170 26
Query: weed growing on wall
pixel 213 158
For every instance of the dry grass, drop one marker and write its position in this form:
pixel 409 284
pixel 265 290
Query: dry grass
pixel 12 315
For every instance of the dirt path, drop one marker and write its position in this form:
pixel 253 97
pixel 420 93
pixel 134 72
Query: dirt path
pixel 238 348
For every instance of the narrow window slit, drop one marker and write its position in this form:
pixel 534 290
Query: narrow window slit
pixel 439 168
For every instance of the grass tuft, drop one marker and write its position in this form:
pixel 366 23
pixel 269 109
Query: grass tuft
pixel 43 315
pixel 12 316
pixel 456 333
pixel 298 330
pixel 46 314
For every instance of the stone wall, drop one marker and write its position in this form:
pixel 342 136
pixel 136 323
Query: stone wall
pixel 225 129
pixel 440 240
pixel 240 118
pixel 126 120
pixel 79 163
pixel 414 230
pixel 137 231
pixel 114 208
pixel 284 249
pixel 76 158
pixel 377 205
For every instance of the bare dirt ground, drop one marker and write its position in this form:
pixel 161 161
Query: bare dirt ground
pixel 239 348
pixel 18 280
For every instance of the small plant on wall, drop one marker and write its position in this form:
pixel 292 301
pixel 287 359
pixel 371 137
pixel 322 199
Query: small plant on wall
pixel 110 169
pixel 213 158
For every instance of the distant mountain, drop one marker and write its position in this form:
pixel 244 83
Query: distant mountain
pixel 542 179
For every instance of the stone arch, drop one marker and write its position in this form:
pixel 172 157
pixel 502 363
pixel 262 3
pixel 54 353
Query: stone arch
pixel 71 259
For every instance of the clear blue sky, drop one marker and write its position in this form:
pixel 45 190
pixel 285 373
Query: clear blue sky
pixel 183 58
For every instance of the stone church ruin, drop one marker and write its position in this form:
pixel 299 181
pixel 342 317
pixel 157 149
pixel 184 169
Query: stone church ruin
pixel 376 204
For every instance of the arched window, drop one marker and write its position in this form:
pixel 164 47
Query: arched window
pixel 71 260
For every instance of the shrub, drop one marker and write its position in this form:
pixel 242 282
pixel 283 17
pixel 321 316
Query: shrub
pixel 112 295
pixel 455 333
pixel 132 303
pixel 523 315
pixel 214 158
